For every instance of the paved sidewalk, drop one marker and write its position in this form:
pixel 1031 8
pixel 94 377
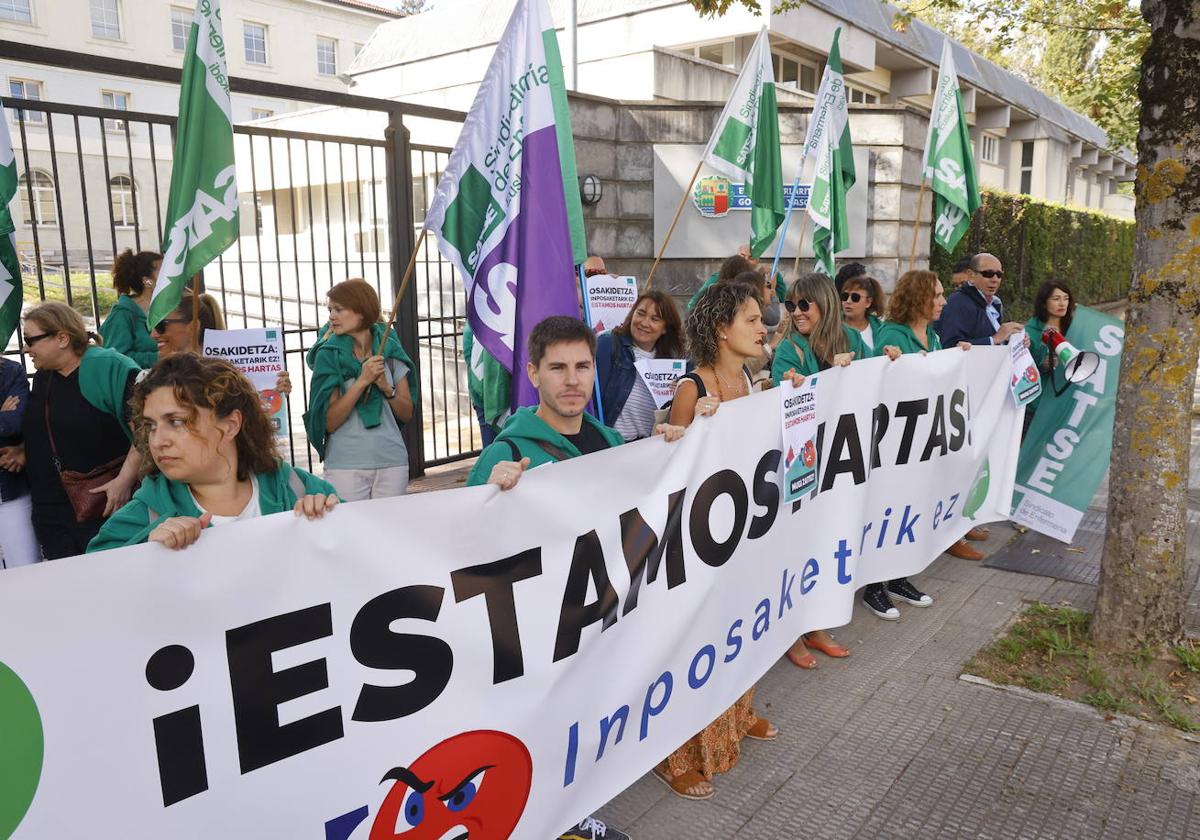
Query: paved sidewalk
pixel 890 743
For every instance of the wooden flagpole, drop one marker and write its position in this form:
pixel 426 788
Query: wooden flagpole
pixel 800 246
pixel 912 257
pixel 408 271
pixel 195 326
pixel 683 200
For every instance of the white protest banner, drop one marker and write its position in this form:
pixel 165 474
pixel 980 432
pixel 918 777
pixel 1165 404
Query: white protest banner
pixel 798 409
pixel 504 660
pixel 1026 385
pixel 258 353
pixel 659 376
pixel 608 300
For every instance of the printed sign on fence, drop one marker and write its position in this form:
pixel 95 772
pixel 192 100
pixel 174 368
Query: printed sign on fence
pixel 609 300
pixel 258 353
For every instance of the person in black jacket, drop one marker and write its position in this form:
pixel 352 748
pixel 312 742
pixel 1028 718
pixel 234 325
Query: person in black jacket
pixel 975 313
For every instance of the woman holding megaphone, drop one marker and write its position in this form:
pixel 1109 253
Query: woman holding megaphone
pixel 1053 308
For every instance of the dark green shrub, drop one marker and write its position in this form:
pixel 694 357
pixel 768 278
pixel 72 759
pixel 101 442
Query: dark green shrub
pixel 1038 241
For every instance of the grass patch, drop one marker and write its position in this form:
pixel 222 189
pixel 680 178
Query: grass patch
pixel 81 292
pixel 1048 650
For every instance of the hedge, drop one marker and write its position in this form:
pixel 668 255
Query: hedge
pixel 1037 241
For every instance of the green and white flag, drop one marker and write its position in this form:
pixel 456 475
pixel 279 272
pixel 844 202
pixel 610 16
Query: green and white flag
pixel 10 267
pixel 835 165
pixel 745 144
pixel 202 209
pixel 949 166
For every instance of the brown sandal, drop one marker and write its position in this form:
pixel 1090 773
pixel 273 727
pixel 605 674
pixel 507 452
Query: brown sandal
pixel 682 784
pixel 763 731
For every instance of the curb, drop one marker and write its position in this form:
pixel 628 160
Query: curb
pixel 1124 720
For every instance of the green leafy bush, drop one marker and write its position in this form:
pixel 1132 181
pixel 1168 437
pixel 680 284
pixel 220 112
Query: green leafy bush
pixel 1037 241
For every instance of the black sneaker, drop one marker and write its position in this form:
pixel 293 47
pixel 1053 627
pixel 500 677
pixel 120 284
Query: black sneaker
pixel 592 829
pixel 902 589
pixel 877 601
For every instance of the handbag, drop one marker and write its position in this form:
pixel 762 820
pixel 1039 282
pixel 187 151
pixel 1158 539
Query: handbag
pixel 78 485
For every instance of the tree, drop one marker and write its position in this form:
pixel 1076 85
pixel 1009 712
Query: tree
pixel 1141 598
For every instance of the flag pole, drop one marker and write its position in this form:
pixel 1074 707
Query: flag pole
pixel 683 200
pixel 408 271
pixel 800 247
pixel 787 218
pixel 195 325
pixel 912 257
pixel 597 399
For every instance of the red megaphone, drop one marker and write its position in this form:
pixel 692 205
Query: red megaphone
pixel 1077 364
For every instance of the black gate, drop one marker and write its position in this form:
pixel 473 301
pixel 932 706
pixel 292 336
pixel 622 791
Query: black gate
pixel 315 209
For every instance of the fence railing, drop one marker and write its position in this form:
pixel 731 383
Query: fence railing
pixel 315 209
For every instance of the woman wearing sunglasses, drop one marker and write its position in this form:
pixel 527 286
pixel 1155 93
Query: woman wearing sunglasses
pixel 916 303
pixel 78 455
pixel 815 339
pixel 862 308
pixel 815 336
pixel 173 334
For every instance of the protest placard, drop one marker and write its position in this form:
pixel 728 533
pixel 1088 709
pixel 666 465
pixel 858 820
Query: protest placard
pixel 608 299
pixel 258 353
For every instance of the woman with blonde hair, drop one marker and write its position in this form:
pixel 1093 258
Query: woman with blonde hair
pixel 916 303
pixel 78 451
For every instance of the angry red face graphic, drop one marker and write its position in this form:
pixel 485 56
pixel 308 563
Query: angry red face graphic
pixel 473 786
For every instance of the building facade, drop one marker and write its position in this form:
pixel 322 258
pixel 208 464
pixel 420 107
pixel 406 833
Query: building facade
pixel 298 42
pixel 663 51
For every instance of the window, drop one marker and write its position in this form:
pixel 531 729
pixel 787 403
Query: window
pixel 106 18
pixel 863 97
pixel 254 38
pixel 357 49
pixel 117 101
pixel 796 73
pixel 1026 166
pixel 722 54
pixel 23 89
pixel 326 57
pixel 43 210
pixel 181 25
pixel 261 113
pixel 120 193
pixel 18 10
pixel 990 148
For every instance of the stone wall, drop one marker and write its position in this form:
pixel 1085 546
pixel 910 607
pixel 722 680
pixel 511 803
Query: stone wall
pixel 615 141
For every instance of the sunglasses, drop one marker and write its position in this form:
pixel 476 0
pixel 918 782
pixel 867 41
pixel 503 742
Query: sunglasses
pixel 853 297
pixel 990 273
pixel 793 305
pixel 31 340
pixel 161 326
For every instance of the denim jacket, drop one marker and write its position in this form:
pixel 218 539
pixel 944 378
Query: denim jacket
pixel 615 373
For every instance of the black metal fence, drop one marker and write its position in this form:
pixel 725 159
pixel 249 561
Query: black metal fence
pixel 315 209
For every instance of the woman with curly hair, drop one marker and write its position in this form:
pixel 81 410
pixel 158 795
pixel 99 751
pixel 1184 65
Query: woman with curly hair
pixel 124 330
pixel 916 303
pixel 724 330
pixel 652 330
pixel 212 460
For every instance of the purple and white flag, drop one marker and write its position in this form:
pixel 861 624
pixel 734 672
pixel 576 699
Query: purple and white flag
pixel 506 211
